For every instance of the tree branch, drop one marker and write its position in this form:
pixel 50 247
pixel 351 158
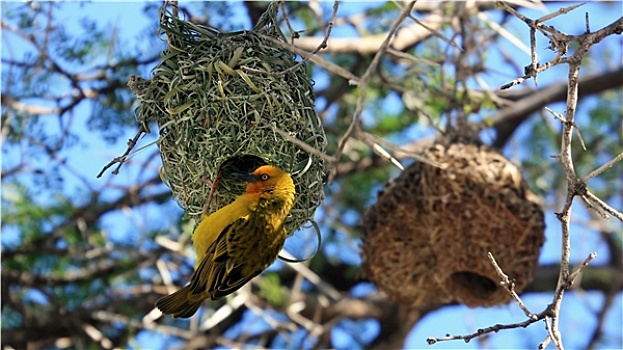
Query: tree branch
pixel 527 101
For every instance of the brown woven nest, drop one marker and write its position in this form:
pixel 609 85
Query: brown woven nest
pixel 220 96
pixel 427 237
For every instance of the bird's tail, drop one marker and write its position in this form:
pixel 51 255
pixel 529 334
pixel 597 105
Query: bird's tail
pixel 179 304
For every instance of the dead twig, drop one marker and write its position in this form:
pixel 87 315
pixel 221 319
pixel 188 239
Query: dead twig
pixel 121 159
pixel 363 86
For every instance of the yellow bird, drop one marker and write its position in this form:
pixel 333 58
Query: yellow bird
pixel 237 242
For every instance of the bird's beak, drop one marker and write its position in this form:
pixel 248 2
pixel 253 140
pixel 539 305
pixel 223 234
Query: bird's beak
pixel 246 177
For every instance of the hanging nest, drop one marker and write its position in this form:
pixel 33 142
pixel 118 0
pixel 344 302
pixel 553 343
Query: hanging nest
pixel 427 237
pixel 217 96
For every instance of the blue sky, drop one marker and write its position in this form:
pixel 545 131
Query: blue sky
pixel 129 22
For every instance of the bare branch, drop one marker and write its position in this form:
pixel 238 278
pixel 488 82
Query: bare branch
pixel 602 168
pixel 510 287
pixel 594 199
pixel 581 268
pixel 492 329
pixel 363 86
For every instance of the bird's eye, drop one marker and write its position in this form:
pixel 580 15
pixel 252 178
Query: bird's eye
pixel 264 177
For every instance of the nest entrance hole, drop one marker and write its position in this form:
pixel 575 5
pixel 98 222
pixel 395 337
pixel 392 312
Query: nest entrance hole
pixel 472 283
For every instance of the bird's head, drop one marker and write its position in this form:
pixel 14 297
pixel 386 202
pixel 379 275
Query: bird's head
pixel 267 179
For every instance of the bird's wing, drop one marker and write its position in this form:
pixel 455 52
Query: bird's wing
pixel 217 275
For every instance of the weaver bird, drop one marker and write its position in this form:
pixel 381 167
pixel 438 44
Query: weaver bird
pixel 237 242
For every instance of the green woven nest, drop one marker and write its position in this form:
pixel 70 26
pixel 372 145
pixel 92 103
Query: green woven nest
pixel 221 95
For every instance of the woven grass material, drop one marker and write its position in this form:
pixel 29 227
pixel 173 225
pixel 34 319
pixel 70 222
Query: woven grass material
pixel 210 105
pixel 428 235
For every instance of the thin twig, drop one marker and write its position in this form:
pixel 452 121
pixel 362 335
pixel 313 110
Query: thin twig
pixel 577 130
pixel 590 206
pixel 378 145
pixel 509 286
pixel 561 11
pixel 320 46
pixel 548 338
pixel 435 33
pixel 328 65
pixel 223 312
pixel 121 159
pixel 503 32
pixel 603 205
pixel 559 42
pixel 303 145
pixel 326 288
pixel 480 332
pixel 548 328
pixel 363 86
pixel 293 34
pixel 602 168
pixel 213 186
pixel 581 268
